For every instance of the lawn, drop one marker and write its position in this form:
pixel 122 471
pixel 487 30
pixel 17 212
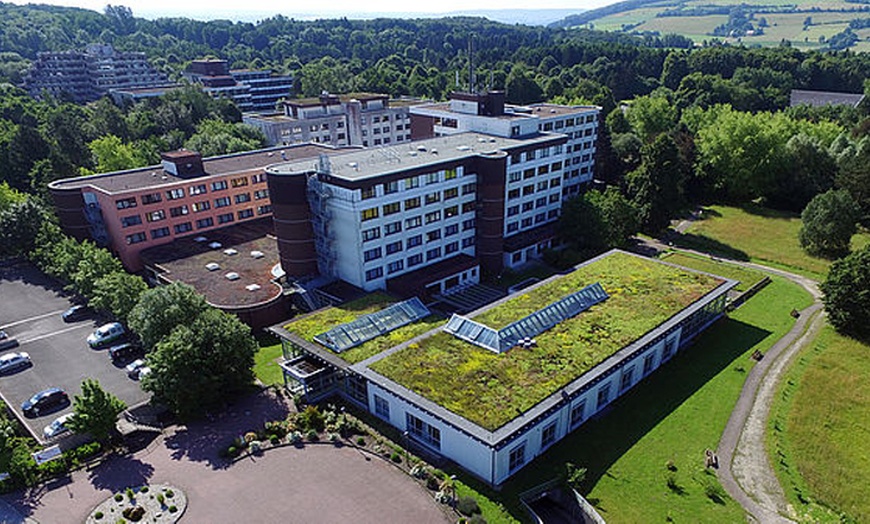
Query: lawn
pixel 819 433
pixel 491 389
pixel 317 322
pixel 266 367
pixel 747 277
pixel 626 450
pixel 760 235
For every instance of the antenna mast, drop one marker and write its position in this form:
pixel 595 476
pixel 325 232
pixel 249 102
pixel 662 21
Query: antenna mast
pixel 471 82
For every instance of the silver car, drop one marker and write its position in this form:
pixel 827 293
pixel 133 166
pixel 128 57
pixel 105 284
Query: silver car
pixel 57 426
pixel 14 361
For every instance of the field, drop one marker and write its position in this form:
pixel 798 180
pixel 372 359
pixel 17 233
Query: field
pixel 627 449
pixel 759 235
pixel 819 432
pixel 490 389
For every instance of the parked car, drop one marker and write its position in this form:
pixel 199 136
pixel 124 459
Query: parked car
pixel 7 342
pixel 45 401
pixel 14 361
pixel 124 352
pixel 57 426
pixel 75 313
pixel 106 334
pixel 144 372
pixel 133 368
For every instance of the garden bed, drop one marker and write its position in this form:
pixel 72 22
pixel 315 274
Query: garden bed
pixel 158 503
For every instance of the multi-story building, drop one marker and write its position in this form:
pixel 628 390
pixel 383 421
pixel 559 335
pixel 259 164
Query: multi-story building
pixel 355 119
pixel 251 90
pixel 84 76
pixel 129 211
pixel 488 113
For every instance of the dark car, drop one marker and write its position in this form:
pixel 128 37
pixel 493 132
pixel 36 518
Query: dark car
pixel 75 313
pixel 44 402
pixel 123 353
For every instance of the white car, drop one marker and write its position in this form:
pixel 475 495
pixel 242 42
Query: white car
pixel 133 368
pixel 106 334
pixel 14 361
pixel 57 426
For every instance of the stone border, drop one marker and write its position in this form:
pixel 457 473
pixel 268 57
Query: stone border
pixel 111 509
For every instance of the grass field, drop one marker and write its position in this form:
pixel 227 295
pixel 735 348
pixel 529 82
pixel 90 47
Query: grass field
pixel 626 450
pixel 760 235
pixel 746 277
pixel 819 432
pixel 266 367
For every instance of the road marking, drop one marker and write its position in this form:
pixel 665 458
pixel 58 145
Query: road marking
pixel 31 319
pixel 53 333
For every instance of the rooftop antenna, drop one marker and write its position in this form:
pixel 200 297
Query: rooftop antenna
pixel 471 63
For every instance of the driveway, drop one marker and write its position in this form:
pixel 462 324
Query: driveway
pixel 318 483
pixel 30 311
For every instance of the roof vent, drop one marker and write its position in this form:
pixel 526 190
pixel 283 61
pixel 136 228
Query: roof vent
pixel 252 287
pixel 412 153
pixel 463 148
pixel 231 252
pixel 199 239
pixel 492 140
pixel 421 148
pixel 257 254
pixel 215 245
pixel 552 110
pixel 481 140
pixel 212 266
pixel 434 151
pixel 232 275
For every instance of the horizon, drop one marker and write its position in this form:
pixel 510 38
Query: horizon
pixel 261 9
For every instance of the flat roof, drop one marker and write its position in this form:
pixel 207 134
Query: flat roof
pixel 185 260
pixel 370 163
pixel 492 395
pixel 824 98
pixel 146 90
pixel 545 110
pixel 515 111
pixel 155 176
pixel 346 97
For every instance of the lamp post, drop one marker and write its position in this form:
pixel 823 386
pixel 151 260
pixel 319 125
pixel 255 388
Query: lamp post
pixel 453 489
pixel 407 459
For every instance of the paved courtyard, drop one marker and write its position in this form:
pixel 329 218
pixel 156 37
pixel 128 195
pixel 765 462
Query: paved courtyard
pixel 316 484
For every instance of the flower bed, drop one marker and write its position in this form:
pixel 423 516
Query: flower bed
pixel 158 503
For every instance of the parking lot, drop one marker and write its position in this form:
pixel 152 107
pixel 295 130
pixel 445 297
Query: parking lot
pixel 30 311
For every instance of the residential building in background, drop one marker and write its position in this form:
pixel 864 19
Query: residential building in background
pixel 84 76
pixel 353 119
pixel 252 91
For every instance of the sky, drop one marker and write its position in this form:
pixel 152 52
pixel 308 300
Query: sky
pixel 258 9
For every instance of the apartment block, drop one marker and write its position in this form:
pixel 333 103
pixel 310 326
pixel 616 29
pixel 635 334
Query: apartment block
pixel 251 90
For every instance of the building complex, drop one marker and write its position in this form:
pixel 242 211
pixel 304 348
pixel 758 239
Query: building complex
pixel 251 90
pixel 84 76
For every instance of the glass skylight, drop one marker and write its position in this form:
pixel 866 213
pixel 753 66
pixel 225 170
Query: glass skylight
pixel 367 327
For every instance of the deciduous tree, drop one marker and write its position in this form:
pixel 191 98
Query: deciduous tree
pixel 847 294
pixel 163 308
pixel 829 221
pixel 95 411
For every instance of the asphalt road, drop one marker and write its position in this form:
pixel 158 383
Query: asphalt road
pixel 30 309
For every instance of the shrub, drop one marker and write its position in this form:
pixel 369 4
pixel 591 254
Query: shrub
pixel 130 494
pixel 170 493
pixel 143 489
pixel 161 499
pixel 395 457
pixel 232 452
pixel 274 439
pixel 310 419
pixel 433 483
pixel 361 441
pixel 467 506
pixel 295 437
pixel 311 435
pixel 118 497
pixel 276 428
pixel 477 519
pixel 98 515
pixel 134 514
pixel 250 436
pixel 172 509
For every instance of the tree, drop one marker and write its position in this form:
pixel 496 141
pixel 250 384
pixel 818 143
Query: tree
pixel 95 411
pixel 200 364
pixel 111 154
pixel 521 86
pixel 118 293
pixel 216 137
pixel 19 224
pixel 161 309
pixel 656 187
pixel 811 172
pixel 94 265
pixel 829 221
pixel 847 294
pixel 650 116
pixel 598 220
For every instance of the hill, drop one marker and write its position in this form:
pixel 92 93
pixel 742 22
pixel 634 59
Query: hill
pixel 808 24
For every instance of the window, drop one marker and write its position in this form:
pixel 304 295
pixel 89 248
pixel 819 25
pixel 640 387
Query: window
pixel 153 198
pixel 468 224
pixel 262 210
pixel 240 181
pixel 135 238
pixel 603 395
pixel 554 198
pixel 648 362
pixel 528 190
pixel 542 185
pixel 513 227
pixel 372 254
pixel 221 202
pixel 432 198
pixel 175 194
pixel 468 242
pixel 125 203
pixel 528 206
pixel 204 222
pixel 392 209
pixel 529 173
pixel 412 182
pixel 668 350
pixel 392 228
pixel 178 211
pixel 425 433
pixel 627 377
pixel 540 218
pixel 514 177
pixel 451 211
pixel 395 267
pixel 513 194
pixel 414 241
pixel 434 216
pixel 577 413
pixel 432 236
pixel 226 218
pixel 468 189
pixel 155 216
pixel 548 435
pixel 369 214
pixel 517 257
pixel 452 247
pixel 412 203
pixel 517 457
pixel 219 185
pixel 184 227
pixel 415 260
pixel 132 220
pixel 245 213
pixel 526 222
pixel 368 192
pixel 201 206
pixel 394 247
pixel 432 178
pixel 433 253
pixel 453 192
pixel 541 202
pixel 159 233
pixel 452 229
pixel 413 222
pixel 513 210
pixel 259 178
pixel 543 170
pixel 391 187
pixel 241 198
pixel 382 407
pixel 260 194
